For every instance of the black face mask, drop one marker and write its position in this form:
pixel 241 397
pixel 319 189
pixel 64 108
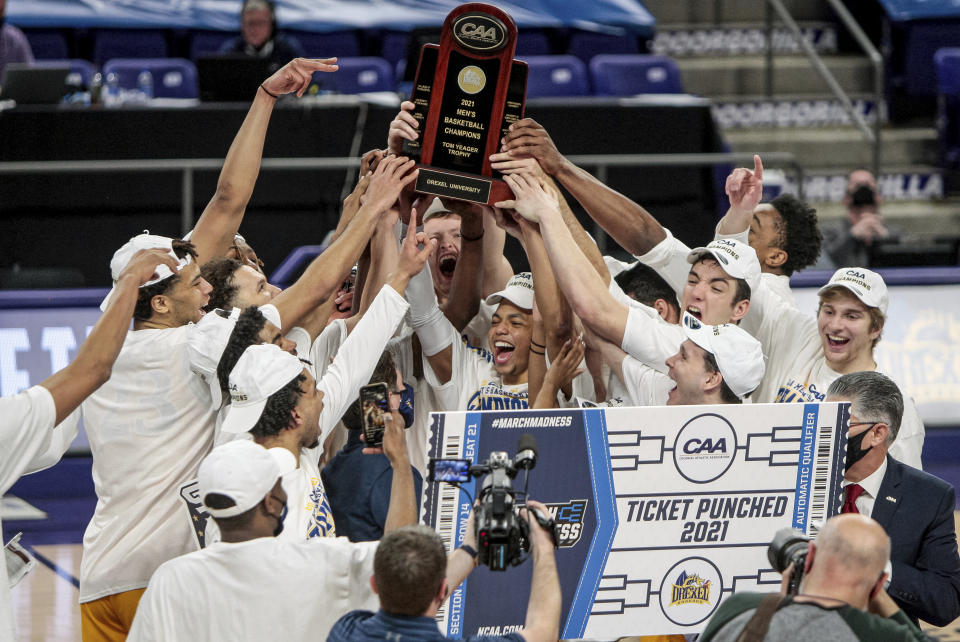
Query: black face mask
pixel 283 516
pixel 854 450
pixel 863 196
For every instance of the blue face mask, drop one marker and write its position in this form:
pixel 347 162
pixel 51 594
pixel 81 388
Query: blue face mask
pixel 406 405
pixel 283 517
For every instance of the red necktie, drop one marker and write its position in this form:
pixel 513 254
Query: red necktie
pixel 850 504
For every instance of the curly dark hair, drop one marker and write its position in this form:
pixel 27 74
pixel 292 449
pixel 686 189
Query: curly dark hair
pixel 276 413
pixel 245 333
pixel 219 274
pixel 385 371
pixel 797 233
pixel 144 310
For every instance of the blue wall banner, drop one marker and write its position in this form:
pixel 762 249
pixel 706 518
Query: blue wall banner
pixel 663 512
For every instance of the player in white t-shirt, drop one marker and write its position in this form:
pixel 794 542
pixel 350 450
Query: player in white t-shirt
pixel 252 585
pixel 273 416
pixel 463 378
pixel 149 426
pixel 38 424
pixel 718 287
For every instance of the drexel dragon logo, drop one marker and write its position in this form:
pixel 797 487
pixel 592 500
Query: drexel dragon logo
pixel 690 589
pixel 569 519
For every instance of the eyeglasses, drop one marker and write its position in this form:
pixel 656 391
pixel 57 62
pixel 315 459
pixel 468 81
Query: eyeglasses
pixel 863 423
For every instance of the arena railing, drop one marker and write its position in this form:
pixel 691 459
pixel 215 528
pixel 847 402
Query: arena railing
pixel 188 166
pixel 876 60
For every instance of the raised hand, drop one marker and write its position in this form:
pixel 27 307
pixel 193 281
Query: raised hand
pixel 412 258
pixel 144 264
pixel 528 138
pixel 530 200
pixel 566 367
pixel 744 188
pixel 369 161
pixel 388 180
pixel 403 127
pixel 295 75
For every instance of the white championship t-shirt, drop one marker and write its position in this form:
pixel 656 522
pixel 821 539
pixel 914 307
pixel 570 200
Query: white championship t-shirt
pixel 26 428
pixel 474 382
pixel 149 427
pixel 308 511
pixel 797 369
pixel 261 589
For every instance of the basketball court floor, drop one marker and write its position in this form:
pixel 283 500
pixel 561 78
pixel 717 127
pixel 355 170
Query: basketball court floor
pixel 45 602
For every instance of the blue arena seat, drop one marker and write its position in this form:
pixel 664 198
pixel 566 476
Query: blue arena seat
pixel 47 44
pixel 556 76
pixel 358 75
pixel 587 44
pixel 393 46
pixel 947 63
pixel 533 42
pixel 208 43
pixel 342 44
pixel 627 75
pixel 81 71
pixel 172 77
pixel 128 43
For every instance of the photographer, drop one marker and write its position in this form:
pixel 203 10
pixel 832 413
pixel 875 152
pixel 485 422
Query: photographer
pixel 413 577
pixel 841 596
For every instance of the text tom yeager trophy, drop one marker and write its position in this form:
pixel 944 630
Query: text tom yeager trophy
pixel 467 92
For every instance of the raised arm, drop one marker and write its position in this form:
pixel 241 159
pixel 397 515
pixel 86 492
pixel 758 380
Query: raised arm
pixel 403 502
pixel 220 220
pixel 744 189
pixel 94 361
pixel 508 165
pixel 584 289
pixel 325 273
pixel 464 300
pixel 543 608
pixel 630 225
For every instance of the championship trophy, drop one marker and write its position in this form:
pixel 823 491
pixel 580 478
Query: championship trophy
pixel 467 92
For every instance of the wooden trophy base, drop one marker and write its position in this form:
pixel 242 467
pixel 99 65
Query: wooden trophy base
pixel 473 188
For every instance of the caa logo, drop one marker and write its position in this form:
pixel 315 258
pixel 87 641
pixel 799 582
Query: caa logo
pixel 690 591
pixel 569 519
pixel 705 448
pixel 479 31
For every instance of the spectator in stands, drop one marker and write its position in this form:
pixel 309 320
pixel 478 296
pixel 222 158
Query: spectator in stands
pixel 259 37
pixel 841 596
pixel 38 424
pixel 412 577
pixel 14 46
pixel 251 585
pixel 850 241
pixel 358 485
pixel 913 507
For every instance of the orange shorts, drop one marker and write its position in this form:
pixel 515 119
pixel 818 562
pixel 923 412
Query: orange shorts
pixel 109 619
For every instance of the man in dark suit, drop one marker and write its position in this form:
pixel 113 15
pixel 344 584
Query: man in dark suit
pixel 914 507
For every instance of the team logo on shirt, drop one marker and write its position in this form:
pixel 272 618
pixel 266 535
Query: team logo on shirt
pixel 794 391
pixel 491 396
pixel 198 514
pixel 321 522
pixel 569 519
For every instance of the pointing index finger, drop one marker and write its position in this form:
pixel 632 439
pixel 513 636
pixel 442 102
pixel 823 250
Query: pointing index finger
pixel 757 167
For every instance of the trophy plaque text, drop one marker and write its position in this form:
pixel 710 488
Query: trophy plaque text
pixel 467 92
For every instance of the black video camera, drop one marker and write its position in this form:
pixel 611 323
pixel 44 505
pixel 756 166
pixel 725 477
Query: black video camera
pixel 503 537
pixel 789 546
